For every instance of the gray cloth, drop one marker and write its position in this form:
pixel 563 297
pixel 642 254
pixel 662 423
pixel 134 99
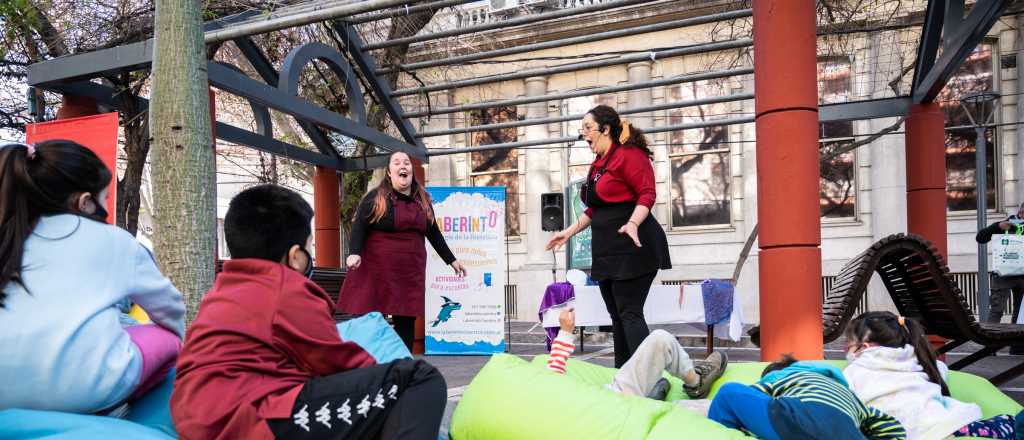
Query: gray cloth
pixel 658 353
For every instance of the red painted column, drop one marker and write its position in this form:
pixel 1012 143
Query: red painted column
pixel 926 180
pixel 76 106
pixel 926 174
pixel 786 105
pixel 327 217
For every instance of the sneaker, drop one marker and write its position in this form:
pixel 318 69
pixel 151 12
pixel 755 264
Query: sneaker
pixel 660 390
pixel 709 370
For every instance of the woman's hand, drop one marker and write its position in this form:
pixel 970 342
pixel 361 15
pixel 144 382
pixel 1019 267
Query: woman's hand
pixel 630 229
pixel 459 269
pixel 558 240
pixel 353 262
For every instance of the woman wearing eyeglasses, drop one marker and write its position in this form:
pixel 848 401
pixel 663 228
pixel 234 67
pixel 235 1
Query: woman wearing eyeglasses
pixel 628 245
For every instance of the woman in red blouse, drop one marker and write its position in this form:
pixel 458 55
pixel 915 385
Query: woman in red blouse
pixel 388 261
pixel 628 245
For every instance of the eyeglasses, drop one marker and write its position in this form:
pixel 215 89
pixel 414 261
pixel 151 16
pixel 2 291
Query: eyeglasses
pixel 586 130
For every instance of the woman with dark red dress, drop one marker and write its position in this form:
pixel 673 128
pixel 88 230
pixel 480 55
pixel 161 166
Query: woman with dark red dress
pixel 388 259
pixel 628 244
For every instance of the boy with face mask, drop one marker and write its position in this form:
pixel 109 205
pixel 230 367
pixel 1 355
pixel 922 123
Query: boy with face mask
pixel 263 358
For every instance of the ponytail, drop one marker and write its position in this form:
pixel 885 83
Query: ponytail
pixel 925 354
pixel 620 130
pixel 37 181
pixel 889 330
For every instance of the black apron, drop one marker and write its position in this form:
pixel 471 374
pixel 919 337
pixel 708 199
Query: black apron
pixel 615 256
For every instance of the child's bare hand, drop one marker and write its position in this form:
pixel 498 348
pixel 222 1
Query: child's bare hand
pixel 567 320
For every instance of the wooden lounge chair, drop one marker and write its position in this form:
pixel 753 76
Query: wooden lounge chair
pixel 841 300
pixel 918 280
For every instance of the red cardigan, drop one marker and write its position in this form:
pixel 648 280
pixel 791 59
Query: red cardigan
pixel 262 331
pixel 629 177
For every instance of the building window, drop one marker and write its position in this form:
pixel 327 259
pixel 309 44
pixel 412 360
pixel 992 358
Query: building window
pixel 838 174
pixel 580 156
pixel 699 157
pixel 974 75
pixel 497 167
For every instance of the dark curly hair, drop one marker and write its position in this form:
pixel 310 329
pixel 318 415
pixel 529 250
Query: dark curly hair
pixel 606 116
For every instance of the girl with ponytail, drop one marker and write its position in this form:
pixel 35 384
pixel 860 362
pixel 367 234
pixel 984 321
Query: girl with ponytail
pixel 893 368
pixel 62 271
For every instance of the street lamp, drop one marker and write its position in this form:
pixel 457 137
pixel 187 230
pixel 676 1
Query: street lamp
pixel 981 108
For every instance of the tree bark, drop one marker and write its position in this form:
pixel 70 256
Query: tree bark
pixel 136 150
pixel 183 154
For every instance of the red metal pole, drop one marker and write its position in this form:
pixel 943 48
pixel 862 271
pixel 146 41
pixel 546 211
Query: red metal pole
pixel 786 105
pixel 76 106
pixel 926 180
pixel 327 217
pixel 926 174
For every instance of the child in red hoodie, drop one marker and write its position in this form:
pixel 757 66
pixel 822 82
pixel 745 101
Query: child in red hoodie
pixel 263 358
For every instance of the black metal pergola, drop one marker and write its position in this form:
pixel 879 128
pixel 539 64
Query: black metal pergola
pixel 944 26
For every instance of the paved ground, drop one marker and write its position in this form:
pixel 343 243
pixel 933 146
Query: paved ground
pixel 528 341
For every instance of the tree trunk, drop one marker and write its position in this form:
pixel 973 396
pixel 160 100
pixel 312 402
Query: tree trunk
pixel 183 155
pixel 136 149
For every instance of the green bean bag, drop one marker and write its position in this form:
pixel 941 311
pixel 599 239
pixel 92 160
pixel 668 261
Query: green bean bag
pixel 512 399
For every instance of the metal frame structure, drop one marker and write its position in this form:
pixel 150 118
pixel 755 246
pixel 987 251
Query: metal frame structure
pixel 277 90
pixel 787 114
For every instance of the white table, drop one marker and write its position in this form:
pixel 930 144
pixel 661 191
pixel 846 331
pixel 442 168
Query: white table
pixel 662 307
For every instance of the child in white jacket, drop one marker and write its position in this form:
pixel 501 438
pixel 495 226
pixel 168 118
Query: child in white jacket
pixel 893 368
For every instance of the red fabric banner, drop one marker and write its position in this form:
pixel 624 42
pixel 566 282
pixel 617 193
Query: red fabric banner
pixel 97 133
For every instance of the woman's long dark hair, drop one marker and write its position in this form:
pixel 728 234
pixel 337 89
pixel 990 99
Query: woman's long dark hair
pixel 606 116
pixel 46 182
pixel 386 190
pixel 883 328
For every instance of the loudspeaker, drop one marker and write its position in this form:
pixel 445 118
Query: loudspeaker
pixel 552 212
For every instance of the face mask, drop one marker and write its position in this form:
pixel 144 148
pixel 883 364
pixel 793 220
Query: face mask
pixel 308 273
pixel 851 356
pixel 101 213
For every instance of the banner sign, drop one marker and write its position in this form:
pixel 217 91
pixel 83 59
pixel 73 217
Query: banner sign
pixel 97 133
pixel 577 250
pixel 467 315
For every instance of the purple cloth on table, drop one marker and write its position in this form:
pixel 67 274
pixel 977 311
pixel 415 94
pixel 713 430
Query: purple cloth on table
pixel 555 295
pixel 718 295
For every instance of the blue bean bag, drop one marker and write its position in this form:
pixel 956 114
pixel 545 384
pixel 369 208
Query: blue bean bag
pixel 373 334
pixel 149 418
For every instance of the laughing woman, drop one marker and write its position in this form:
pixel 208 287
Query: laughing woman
pixel 387 264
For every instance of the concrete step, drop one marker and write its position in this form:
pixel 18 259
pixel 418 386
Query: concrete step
pixel 530 333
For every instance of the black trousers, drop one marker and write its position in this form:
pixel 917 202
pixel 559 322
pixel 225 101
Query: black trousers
pixel 625 302
pixel 405 326
pixel 404 399
pixel 1002 289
